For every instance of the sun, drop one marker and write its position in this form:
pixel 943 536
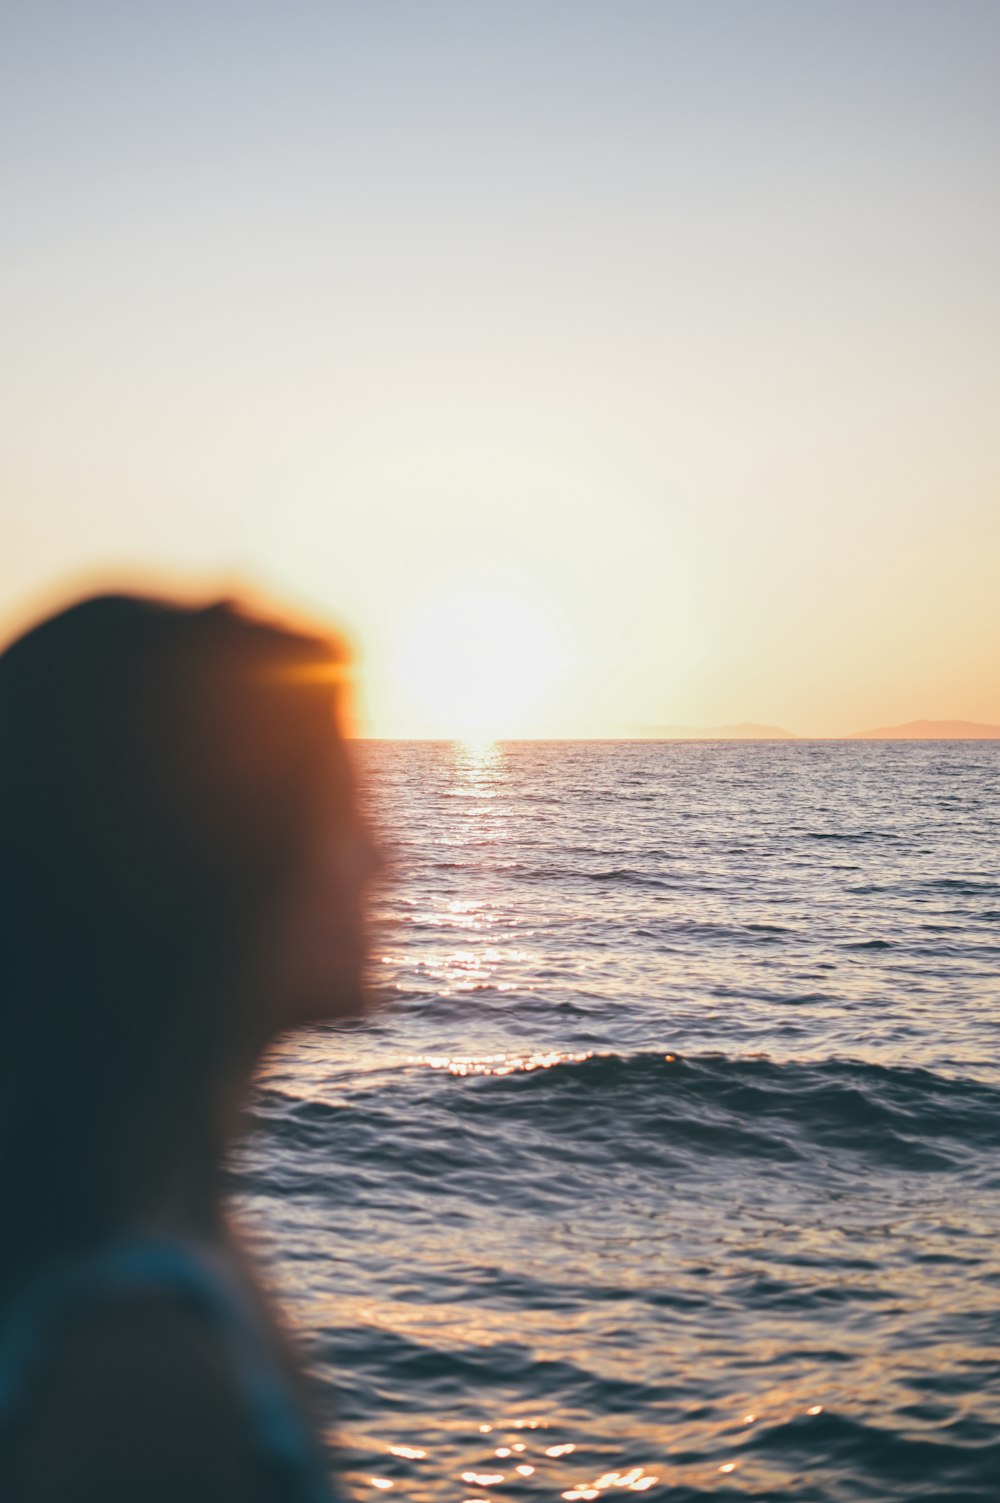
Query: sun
pixel 476 660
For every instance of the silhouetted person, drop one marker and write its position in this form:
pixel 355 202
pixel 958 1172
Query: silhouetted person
pixel 182 872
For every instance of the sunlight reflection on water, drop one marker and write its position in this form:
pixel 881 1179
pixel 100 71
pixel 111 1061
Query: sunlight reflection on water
pixel 675 1141
pixel 498 1064
pixel 566 1480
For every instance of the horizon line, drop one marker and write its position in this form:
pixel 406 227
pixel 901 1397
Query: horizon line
pixel 907 730
pixel 662 740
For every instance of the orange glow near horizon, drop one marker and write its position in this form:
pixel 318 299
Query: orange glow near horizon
pixel 695 351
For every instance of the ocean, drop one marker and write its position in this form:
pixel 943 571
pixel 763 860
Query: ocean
pixel 670 1160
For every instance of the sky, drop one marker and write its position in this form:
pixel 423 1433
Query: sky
pixel 590 365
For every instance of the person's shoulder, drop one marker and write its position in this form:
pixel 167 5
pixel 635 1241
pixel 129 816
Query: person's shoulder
pixel 139 1401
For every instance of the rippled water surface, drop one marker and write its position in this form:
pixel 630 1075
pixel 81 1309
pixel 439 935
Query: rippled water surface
pixel 671 1163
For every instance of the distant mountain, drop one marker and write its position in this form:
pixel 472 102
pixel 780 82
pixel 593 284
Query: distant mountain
pixel 931 730
pixel 745 731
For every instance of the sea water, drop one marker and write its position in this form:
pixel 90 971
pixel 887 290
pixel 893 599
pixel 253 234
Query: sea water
pixel 670 1162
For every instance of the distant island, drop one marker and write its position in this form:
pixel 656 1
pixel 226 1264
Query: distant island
pixel 930 730
pixel 912 730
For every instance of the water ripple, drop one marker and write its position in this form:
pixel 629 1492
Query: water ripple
pixel 671 1161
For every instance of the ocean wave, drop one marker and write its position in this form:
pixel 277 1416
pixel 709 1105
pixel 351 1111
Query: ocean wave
pixel 749 1274
pixel 446 1109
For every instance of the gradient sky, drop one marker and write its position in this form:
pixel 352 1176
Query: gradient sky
pixel 668 331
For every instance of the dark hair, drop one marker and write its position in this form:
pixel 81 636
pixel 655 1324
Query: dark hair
pixel 158 765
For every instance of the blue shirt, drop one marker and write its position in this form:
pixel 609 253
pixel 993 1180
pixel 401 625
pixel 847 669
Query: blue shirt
pixel 199 1278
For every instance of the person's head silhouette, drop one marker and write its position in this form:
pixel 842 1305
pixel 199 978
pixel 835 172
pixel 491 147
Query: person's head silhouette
pixel 182 870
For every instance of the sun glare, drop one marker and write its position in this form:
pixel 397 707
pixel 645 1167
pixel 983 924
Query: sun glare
pixel 476 662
